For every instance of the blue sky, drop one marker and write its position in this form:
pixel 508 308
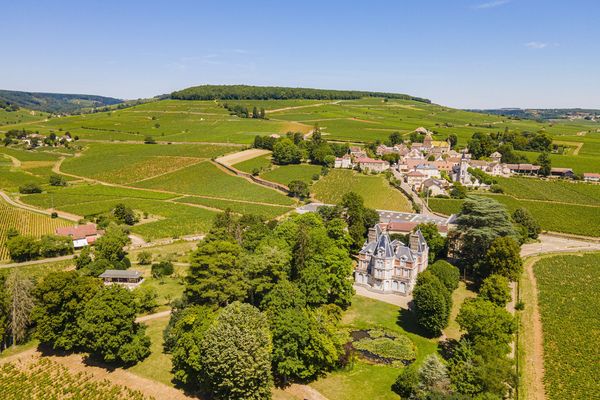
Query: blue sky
pixel 463 53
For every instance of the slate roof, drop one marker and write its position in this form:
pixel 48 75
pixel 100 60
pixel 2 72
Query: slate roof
pixel 122 274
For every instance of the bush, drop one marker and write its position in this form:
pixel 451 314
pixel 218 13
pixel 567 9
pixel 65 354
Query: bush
pixel 407 383
pixel 447 273
pixel 316 177
pixel 163 268
pixel 54 214
pixel 496 189
pixel 495 289
pixel 145 299
pixel 57 180
pixel 30 188
pixel 23 248
pixel 299 189
pixel 144 258
pixel 400 348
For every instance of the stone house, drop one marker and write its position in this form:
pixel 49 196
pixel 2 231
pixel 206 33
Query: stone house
pixel 371 164
pixel 343 162
pixel 389 266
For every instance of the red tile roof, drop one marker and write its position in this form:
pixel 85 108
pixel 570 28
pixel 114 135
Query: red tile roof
pixel 79 231
pixel 367 160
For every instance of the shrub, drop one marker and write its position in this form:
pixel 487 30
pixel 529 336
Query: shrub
pixel 30 188
pixel 144 258
pixel 163 268
pixel 400 348
pixel 54 214
pixel 447 273
pixel 57 180
pixel 495 289
pixel 496 189
pixel 298 189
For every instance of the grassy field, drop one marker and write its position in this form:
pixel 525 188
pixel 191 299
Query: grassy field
pixel 374 189
pixel 555 190
pixel 564 217
pixel 287 173
pixel 26 222
pixel 260 162
pixel 568 299
pixel 158 365
pixel 20 116
pixel 366 380
pixel 458 297
pixel 267 211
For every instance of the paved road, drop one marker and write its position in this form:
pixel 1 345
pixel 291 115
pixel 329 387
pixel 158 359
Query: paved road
pixel 557 244
pixel 406 187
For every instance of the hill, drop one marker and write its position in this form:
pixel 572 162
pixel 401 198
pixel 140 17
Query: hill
pixel 544 114
pixel 55 102
pixel 246 92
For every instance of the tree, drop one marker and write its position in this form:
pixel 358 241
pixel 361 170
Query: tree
pixel 110 247
pixel 545 164
pixel 458 191
pixel 486 323
pixel 433 376
pixel 435 241
pixel 124 214
pixel 298 189
pixel 453 140
pixel 503 258
pixel 407 383
pixel 20 303
pixel 146 299
pixel 304 341
pixel 108 327
pixel 60 298
pixel 236 350
pixel 480 221
pixel 431 307
pixel 286 152
pixel 523 217
pixel 447 273
pixel 495 289
pixel 84 258
pixel 263 269
pixel 57 180
pixel 30 188
pixel 216 276
pixel 358 217
pixel 54 246
pixel 183 338
pixel 144 258
pixel 163 268
pixel 23 248
pixel 395 138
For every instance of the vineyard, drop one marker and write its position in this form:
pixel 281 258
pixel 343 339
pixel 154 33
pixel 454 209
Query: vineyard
pixel 48 380
pixel 26 222
pixel 568 290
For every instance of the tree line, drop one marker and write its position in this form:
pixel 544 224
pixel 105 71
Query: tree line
pixel 246 92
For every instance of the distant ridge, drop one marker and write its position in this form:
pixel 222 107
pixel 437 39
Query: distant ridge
pixel 543 114
pixel 56 102
pixel 247 92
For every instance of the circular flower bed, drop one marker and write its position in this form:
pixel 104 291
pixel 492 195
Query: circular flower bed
pixel 384 346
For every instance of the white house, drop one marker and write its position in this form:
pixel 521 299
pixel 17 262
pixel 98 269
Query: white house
pixel 343 162
pixel 371 164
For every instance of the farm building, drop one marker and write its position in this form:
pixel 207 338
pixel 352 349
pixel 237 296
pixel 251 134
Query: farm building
pixel 82 235
pixel 523 169
pixel 387 266
pixel 127 278
pixel 591 177
pixel 562 172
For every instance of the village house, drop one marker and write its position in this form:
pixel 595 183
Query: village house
pixel 430 171
pixel 82 235
pixel 343 162
pixel 415 179
pixel 129 279
pixel 435 187
pixel 562 173
pixel 357 152
pixel 591 177
pixel 387 266
pixel 371 164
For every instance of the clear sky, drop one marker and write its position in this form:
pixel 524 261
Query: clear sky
pixel 461 53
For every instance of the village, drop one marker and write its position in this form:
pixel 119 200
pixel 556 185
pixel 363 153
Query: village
pixel 432 167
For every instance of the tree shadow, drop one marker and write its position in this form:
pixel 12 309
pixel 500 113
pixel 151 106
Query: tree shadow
pixel 407 321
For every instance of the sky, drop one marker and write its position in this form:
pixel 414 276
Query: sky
pixel 460 53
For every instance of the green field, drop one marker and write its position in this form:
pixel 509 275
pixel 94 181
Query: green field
pixel 575 219
pixel 287 173
pixel 374 189
pixel 267 211
pixel 560 191
pixel 568 288
pixel 260 162
pixel 20 116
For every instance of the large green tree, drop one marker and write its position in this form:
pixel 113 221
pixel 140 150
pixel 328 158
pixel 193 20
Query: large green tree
pixel 495 288
pixel 60 299
pixel 486 323
pixel 503 258
pixel 215 274
pixel 431 306
pixel 108 327
pixel 286 152
pixel 236 354
pixel 435 241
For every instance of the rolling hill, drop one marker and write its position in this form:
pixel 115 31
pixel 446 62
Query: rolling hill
pixel 55 102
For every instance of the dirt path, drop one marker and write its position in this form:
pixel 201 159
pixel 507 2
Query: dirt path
pixel 300 107
pixel 36 262
pixel 16 163
pixel 531 338
pixel 304 392
pixel 234 158
pixel 150 317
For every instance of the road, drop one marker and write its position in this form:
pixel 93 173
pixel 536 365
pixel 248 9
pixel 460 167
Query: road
pixel 42 261
pixel 425 210
pixel 557 244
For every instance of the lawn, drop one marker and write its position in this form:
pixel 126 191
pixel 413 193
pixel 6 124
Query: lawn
pixel 287 173
pixel 374 189
pixel 568 288
pixel 158 365
pixel 461 293
pixel 168 288
pixel 366 380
